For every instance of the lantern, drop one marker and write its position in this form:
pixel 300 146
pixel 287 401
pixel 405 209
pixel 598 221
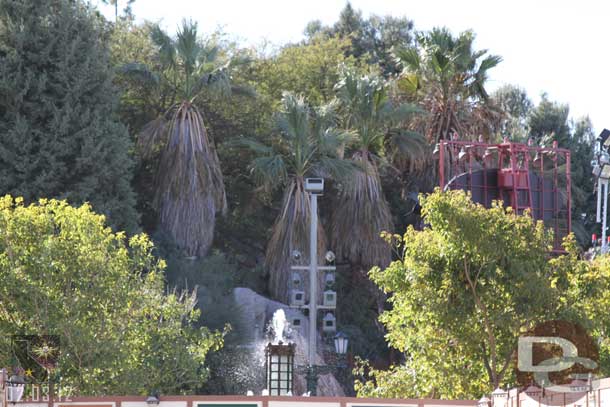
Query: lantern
pixel 341 342
pixel 297 298
pixel 279 368
pixel 296 280
pixel 152 401
pixel 329 323
pixel 499 397
pixel 483 402
pixel 329 279
pixel 330 299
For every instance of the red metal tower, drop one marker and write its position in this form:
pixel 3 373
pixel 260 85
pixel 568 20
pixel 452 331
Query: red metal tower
pixel 522 176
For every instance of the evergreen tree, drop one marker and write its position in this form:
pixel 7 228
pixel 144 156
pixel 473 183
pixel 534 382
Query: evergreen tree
pixel 59 135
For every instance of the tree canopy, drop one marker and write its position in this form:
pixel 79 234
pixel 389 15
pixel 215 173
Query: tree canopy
pixel 464 289
pixel 59 131
pixel 64 272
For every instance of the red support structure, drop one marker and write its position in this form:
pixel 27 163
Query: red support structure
pixel 522 176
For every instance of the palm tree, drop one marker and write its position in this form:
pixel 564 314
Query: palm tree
pixel 446 77
pixel 361 212
pixel 189 188
pixel 306 146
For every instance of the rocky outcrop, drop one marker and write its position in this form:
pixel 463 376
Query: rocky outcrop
pixel 256 312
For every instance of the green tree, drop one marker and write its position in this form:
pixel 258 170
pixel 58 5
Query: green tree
pixel 131 43
pixel 306 146
pixel 310 69
pixel 551 120
pixel 463 290
pixel 446 76
pixel 587 296
pixel 64 272
pixel 581 144
pixel 371 40
pixel 59 132
pixel 516 105
pixel 189 189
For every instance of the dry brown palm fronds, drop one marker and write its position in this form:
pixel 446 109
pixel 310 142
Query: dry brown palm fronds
pixel 190 190
pixel 291 232
pixel 361 215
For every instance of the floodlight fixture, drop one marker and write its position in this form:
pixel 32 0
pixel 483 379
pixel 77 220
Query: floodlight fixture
pixel 314 185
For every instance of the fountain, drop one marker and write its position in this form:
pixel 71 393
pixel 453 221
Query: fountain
pixel 279 358
pixel 278 324
pixel 259 323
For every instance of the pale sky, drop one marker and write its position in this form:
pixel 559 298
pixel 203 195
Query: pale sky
pixel 560 47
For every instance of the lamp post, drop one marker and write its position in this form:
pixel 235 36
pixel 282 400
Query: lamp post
pixel 152 400
pixel 12 388
pixel 601 170
pixel 499 397
pixel 279 368
pixel 483 402
pixel 315 187
pixel 312 371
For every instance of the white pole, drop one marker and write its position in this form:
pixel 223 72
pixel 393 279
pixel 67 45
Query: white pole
pixel 3 377
pixel 599 201
pixel 313 281
pixel 605 217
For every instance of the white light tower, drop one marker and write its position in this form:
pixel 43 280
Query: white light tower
pixel 601 170
pixel 315 187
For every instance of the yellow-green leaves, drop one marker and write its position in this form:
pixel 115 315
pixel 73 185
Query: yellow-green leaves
pixel 64 272
pixel 466 286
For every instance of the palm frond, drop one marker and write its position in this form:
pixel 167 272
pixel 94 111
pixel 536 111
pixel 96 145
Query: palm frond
pixel 152 138
pixel 361 214
pixel 402 113
pixel 448 82
pixel 139 73
pixel 410 150
pixel 190 188
pixel 167 49
pixel 217 82
pixel 188 46
pixel 256 146
pixel 294 118
pixel 337 169
pixel 269 171
pixel 408 58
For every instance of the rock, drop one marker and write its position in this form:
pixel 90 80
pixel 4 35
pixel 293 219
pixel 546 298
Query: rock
pixel 256 313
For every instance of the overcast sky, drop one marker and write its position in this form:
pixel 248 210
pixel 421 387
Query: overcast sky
pixel 559 47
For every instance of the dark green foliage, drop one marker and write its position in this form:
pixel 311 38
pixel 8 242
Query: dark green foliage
pixel 550 119
pixel 372 39
pixel 516 106
pixel 548 122
pixel 59 136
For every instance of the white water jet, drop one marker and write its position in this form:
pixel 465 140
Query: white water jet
pixel 278 323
